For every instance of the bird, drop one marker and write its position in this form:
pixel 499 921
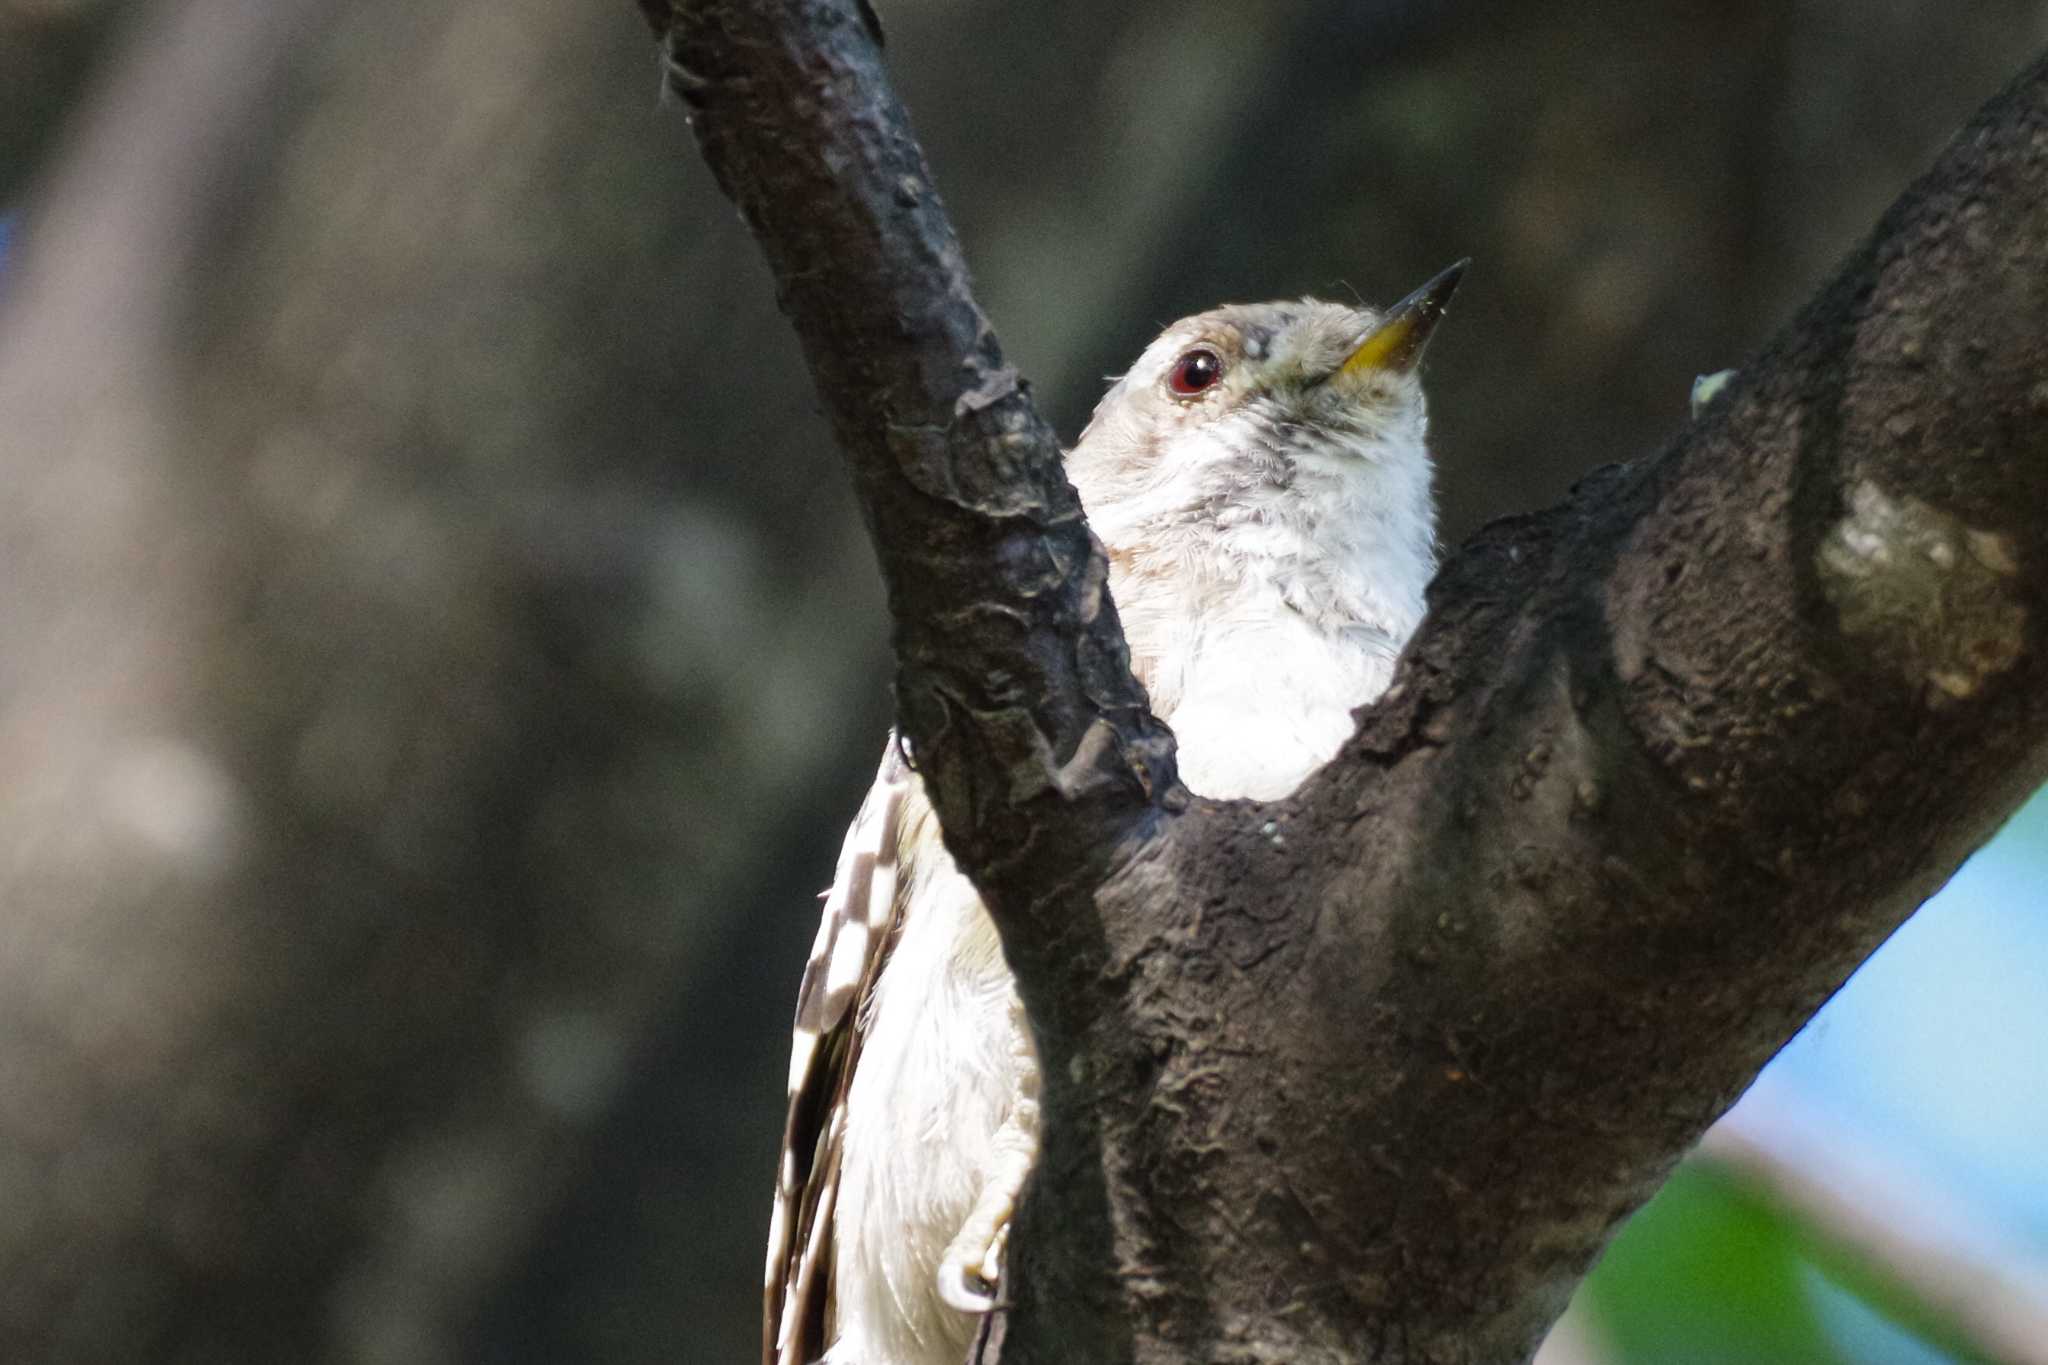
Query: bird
pixel 1261 482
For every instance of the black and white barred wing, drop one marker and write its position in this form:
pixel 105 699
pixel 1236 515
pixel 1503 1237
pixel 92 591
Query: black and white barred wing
pixel 854 936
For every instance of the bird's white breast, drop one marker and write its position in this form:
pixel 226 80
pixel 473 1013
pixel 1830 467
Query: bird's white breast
pixel 1260 696
pixel 1256 637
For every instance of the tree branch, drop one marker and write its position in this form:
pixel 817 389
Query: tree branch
pixel 1013 682
pixel 1372 1073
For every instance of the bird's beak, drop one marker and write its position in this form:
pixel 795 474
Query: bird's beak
pixel 1396 344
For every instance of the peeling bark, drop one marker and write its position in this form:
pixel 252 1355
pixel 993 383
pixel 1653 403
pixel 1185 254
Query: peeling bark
pixel 1372 1073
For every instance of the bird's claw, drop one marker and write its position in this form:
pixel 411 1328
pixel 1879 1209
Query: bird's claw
pixel 991 1268
pixel 972 1267
pixel 965 1285
pixel 971 1271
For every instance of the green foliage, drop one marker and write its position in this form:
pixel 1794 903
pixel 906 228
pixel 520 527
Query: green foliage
pixel 1711 1272
pixel 1706 1275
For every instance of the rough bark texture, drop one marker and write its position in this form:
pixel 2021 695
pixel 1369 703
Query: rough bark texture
pixel 1371 1074
pixel 1013 682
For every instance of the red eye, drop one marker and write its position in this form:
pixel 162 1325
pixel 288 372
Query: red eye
pixel 1196 370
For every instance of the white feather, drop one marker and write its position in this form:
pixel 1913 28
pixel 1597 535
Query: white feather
pixel 1269 547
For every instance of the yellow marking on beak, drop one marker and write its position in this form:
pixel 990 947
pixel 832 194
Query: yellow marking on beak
pixel 1397 343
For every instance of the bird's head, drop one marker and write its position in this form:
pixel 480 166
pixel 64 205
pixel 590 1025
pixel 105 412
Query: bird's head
pixel 1249 427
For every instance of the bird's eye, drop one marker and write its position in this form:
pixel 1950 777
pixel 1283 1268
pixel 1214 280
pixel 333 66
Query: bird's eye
pixel 1196 370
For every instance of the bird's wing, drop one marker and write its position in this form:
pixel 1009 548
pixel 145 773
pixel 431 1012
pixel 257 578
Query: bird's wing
pixel 854 936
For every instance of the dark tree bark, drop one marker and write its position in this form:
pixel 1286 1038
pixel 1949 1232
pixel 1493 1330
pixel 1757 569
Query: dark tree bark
pixel 1373 1072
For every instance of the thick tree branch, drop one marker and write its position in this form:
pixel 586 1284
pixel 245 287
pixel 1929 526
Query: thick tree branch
pixel 1014 685
pixel 1371 1074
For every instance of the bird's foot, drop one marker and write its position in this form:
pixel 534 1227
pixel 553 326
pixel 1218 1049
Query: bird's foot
pixel 971 1271
pixel 973 1264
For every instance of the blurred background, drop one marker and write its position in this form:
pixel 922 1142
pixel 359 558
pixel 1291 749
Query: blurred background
pixel 438 650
